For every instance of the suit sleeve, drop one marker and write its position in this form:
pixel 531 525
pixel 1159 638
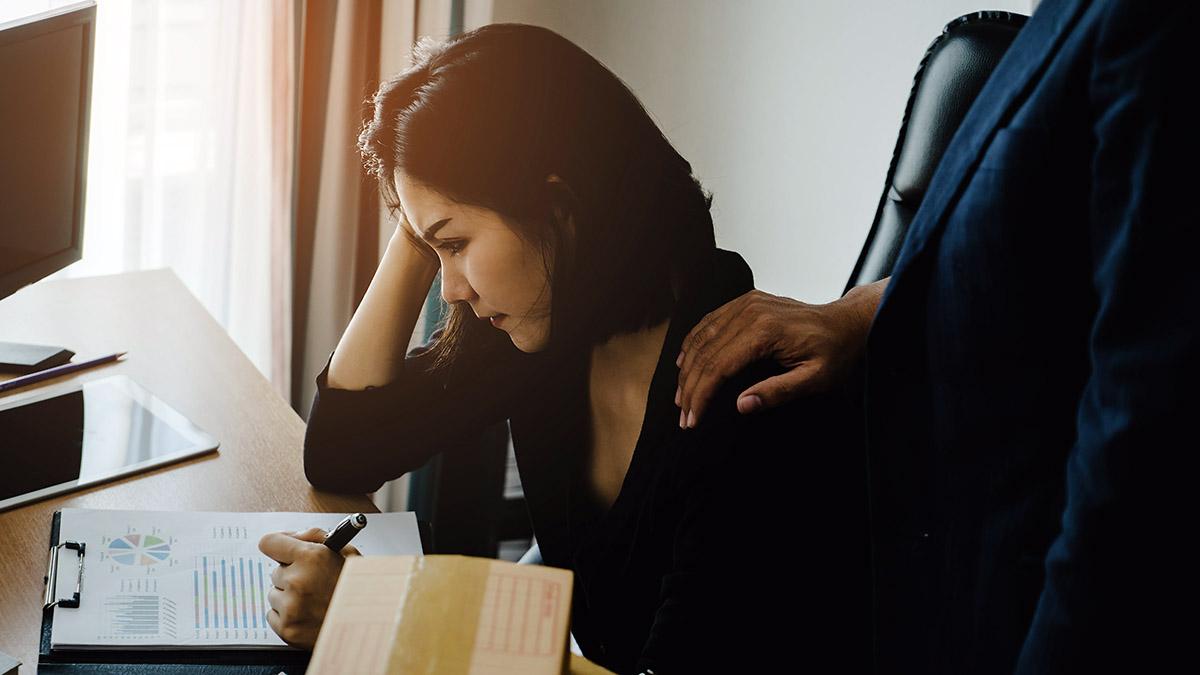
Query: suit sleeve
pixel 357 440
pixel 1116 563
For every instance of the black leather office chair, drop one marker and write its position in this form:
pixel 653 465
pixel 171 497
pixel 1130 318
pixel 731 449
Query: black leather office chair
pixel 949 77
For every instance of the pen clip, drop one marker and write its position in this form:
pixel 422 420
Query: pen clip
pixel 51 599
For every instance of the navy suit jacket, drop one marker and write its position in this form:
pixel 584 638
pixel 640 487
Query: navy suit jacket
pixel 1031 366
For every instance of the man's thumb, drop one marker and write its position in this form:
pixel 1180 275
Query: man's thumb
pixel 776 391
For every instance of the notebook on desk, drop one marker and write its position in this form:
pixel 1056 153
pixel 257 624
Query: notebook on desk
pixel 178 582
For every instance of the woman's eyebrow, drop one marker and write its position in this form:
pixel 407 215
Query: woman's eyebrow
pixel 427 235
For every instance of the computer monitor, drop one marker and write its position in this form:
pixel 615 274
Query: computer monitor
pixel 45 105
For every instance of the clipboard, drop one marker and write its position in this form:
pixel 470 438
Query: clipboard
pixel 148 661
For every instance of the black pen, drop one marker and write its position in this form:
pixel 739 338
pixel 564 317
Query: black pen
pixel 341 535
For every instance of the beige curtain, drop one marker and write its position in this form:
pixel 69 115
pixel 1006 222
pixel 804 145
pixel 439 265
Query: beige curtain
pixel 346 47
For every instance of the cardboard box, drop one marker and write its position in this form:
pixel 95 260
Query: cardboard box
pixel 450 615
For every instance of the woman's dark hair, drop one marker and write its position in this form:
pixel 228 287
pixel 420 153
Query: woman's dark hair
pixel 487 116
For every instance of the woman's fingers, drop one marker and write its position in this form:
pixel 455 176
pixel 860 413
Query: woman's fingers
pixel 314 535
pixel 302 584
pixel 281 602
pixel 281 547
pixel 274 620
pixel 292 633
pixel 291 620
pixel 286 548
pixel 277 577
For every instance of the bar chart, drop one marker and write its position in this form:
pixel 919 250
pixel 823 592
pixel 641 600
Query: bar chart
pixel 136 617
pixel 230 594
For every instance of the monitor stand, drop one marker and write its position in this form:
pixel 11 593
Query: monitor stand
pixel 22 358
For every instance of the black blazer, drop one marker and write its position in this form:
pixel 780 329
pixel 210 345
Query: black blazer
pixel 728 544
pixel 1029 365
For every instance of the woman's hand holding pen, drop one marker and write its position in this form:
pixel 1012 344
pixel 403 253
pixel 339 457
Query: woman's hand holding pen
pixel 303 583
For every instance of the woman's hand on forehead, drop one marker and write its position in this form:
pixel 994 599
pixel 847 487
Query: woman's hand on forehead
pixel 405 230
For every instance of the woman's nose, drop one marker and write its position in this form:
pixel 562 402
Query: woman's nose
pixel 455 287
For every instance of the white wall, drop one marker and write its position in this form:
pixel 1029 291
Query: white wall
pixel 788 111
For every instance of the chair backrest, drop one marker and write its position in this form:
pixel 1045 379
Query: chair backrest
pixel 953 70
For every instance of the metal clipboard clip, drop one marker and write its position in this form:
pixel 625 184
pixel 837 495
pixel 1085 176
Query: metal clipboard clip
pixel 52 598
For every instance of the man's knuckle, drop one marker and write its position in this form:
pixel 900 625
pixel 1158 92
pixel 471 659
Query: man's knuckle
pixel 766 324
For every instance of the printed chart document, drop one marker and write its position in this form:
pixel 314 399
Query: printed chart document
pixel 187 580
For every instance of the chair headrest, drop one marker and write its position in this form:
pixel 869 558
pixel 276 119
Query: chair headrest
pixel 952 72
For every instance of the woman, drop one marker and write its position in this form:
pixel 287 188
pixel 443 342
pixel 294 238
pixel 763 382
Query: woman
pixel 576 251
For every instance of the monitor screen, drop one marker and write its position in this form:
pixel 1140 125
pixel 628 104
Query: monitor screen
pixel 45 90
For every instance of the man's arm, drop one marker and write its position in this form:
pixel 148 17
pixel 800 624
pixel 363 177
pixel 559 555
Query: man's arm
pixel 1114 575
pixel 820 345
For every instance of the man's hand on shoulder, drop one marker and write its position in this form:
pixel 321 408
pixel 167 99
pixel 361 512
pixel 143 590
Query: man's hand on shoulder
pixel 819 346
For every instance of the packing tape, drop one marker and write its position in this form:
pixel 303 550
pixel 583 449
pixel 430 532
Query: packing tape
pixel 433 635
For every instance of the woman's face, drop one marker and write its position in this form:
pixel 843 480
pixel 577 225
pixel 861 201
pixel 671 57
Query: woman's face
pixel 484 263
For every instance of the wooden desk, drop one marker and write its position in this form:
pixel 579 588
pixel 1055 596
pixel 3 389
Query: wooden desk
pixel 177 351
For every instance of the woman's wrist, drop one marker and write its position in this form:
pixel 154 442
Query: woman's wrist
pixel 402 246
pixel 371 351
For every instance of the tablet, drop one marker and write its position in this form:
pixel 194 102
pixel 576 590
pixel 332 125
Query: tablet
pixel 58 441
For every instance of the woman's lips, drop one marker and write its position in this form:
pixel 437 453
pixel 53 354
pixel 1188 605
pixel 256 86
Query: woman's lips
pixel 496 319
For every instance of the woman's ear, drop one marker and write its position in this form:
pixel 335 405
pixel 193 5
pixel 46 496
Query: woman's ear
pixel 562 200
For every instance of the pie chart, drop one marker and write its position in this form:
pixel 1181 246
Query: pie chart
pixel 139 549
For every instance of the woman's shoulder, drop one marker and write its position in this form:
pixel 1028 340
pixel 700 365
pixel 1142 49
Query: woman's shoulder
pixel 806 432
pixel 723 426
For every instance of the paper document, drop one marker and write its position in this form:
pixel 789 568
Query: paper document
pixel 194 580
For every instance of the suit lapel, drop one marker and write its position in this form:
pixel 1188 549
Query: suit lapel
pixel 1038 39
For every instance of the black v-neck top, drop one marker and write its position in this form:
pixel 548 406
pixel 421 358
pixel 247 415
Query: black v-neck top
pixel 730 544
